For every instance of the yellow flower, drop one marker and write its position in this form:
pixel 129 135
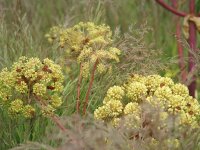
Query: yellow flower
pixel 58 87
pixel 115 107
pixel 152 82
pixel 114 93
pixel 124 102
pixel 86 70
pixel 165 81
pixel 101 68
pixel 26 79
pixel 102 112
pixel 176 103
pixel 180 89
pixel 132 121
pixel 86 43
pixel 47 110
pixel 132 108
pixel 111 109
pixel 135 91
pixel 21 87
pixel 84 55
pixel 136 78
pixel 56 101
pixel 115 122
pixel 163 92
pixel 39 89
pixel 28 111
pixel 15 107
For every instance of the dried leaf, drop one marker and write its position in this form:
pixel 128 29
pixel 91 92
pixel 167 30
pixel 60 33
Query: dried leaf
pixel 186 26
pixel 196 20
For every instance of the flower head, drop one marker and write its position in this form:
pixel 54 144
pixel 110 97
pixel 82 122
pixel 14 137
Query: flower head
pixel 28 79
pixel 127 102
pixel 87 43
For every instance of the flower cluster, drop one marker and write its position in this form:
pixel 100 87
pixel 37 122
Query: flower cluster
pixel 87 43
pixel 30 81
pixel 126 101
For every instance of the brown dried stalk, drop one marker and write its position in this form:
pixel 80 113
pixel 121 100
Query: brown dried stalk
pixel 90 86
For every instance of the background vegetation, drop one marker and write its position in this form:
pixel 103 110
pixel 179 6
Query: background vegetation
pixel 23 24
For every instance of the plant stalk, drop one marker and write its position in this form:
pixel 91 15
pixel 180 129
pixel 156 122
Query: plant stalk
pixel 58 123
pixel 171 9
pixel 55 118
pixel 79 89
pixel 192 42
pixel 180 53
pixel 179 45
pixel 192 39
pixel 90 86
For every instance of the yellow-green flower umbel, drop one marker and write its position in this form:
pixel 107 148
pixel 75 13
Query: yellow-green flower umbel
pixel 30 83
pixel 126 101
pixel 86 43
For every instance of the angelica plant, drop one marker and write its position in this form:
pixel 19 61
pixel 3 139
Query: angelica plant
pixel 191 20
pixel 90 46
pixel 31 87
pixel 125 103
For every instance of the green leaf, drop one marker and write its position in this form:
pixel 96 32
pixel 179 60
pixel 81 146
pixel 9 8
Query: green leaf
pixel 197 6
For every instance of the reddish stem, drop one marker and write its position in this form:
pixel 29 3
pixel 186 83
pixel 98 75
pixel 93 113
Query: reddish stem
pixel 179 45
pixel 90 87
pixel 171 9
pixel 192 43
pixel 58 123
pixel 79 89
pixel 53 116
pixel 180 52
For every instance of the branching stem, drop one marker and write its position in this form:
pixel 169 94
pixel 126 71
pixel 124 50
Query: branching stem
pixel 192 38
pixel 171 9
